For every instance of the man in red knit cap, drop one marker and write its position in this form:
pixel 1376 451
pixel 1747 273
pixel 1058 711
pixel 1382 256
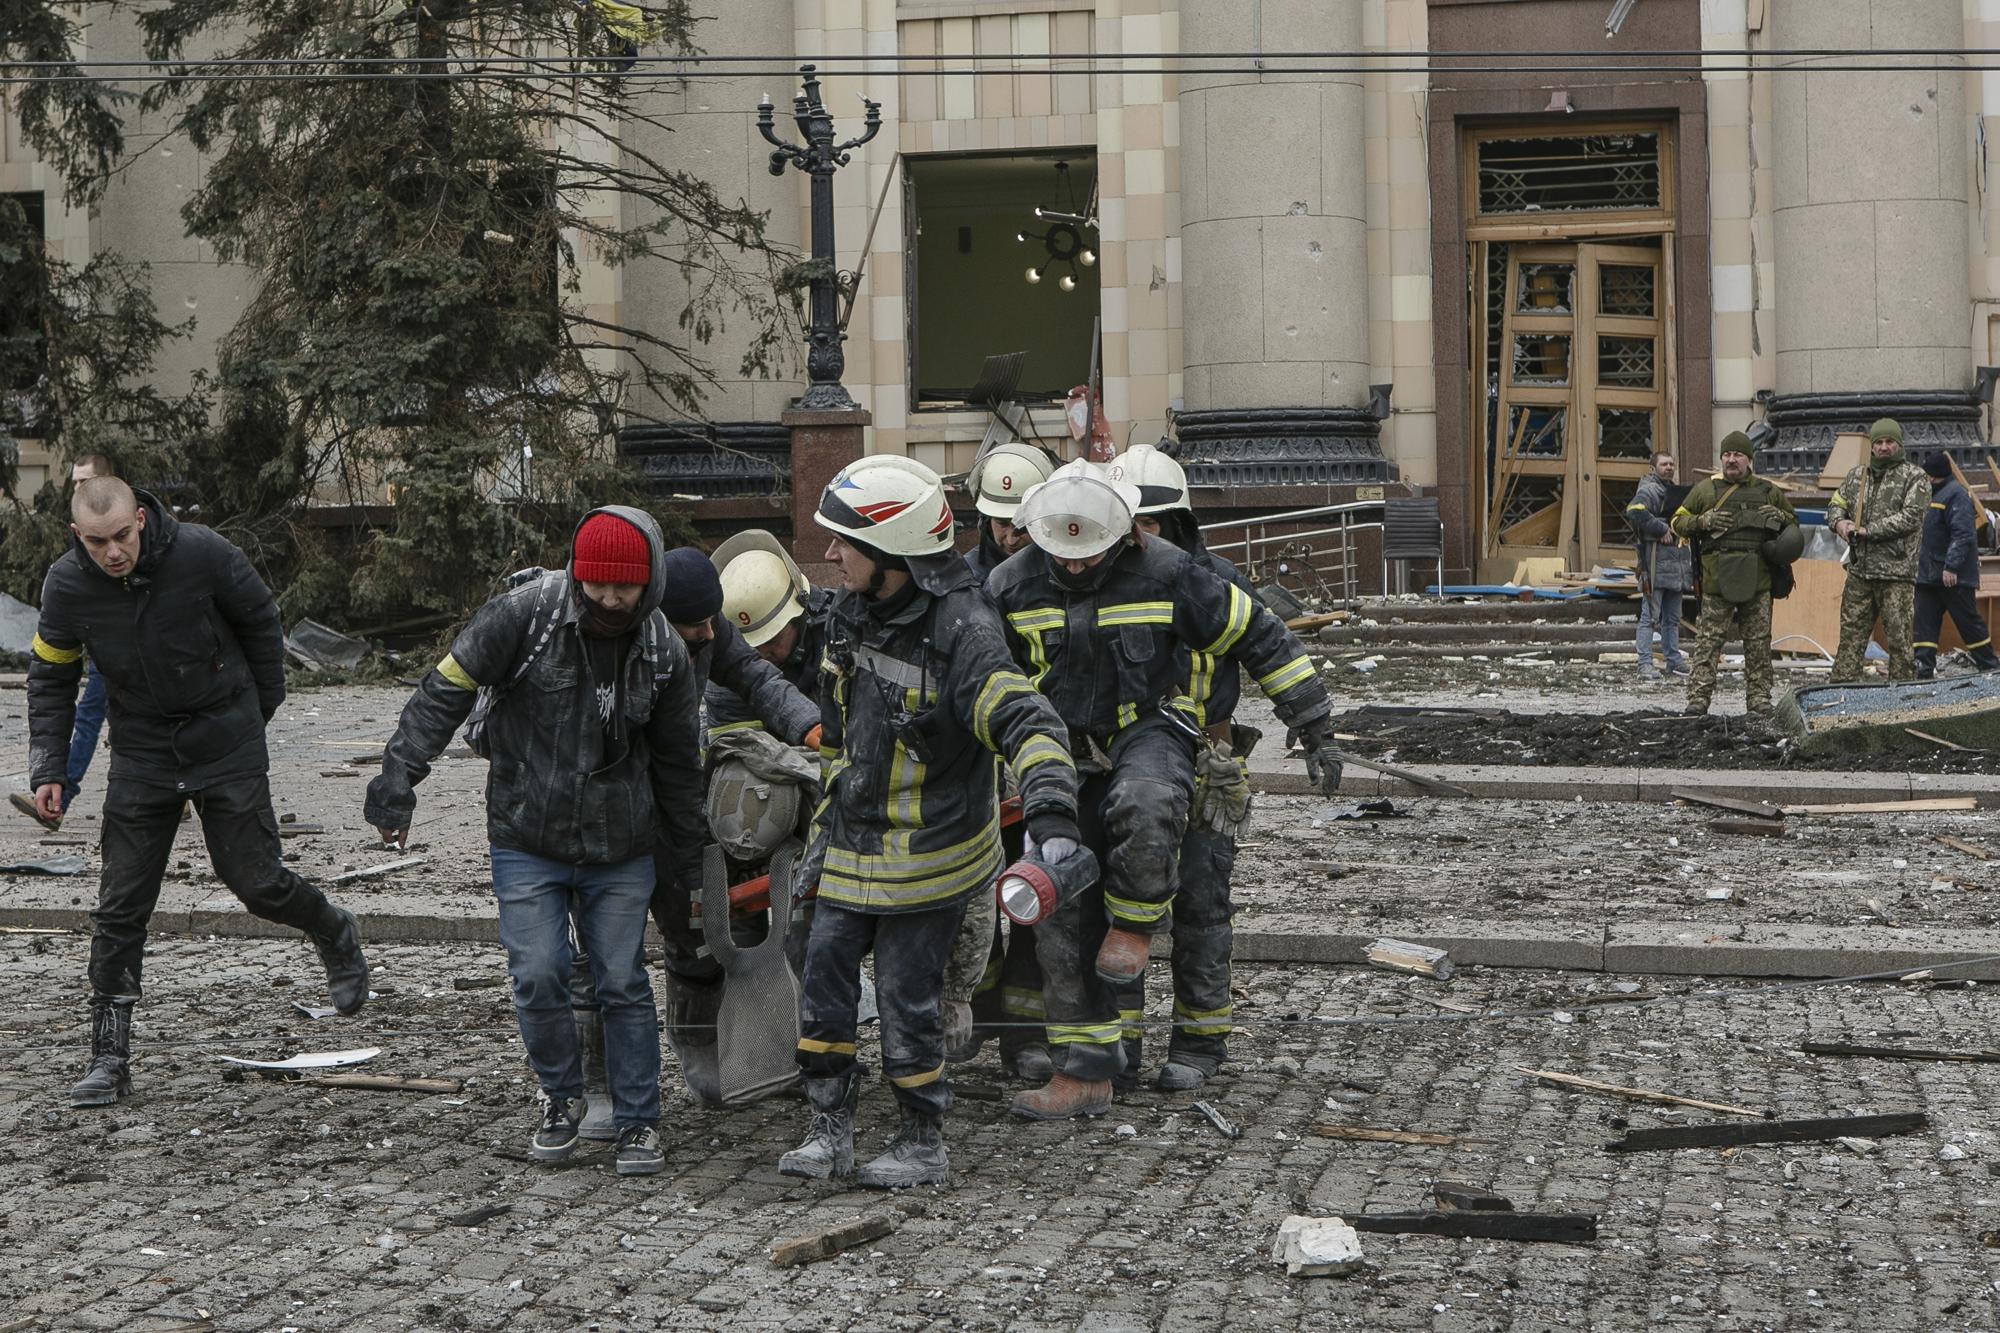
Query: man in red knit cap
pixel 589 711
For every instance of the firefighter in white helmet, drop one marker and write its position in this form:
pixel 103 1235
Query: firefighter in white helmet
pixel 1101 618
pixel 998 483
pixel 918 697
pixel 1201 931
pixel 780 615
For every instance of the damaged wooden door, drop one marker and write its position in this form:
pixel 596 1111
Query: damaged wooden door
pixel 1581 400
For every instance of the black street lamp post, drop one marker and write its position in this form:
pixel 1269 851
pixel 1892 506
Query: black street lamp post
pixel 820 157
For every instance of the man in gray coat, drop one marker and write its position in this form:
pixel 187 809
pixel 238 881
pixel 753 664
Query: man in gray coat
pixel 1665 571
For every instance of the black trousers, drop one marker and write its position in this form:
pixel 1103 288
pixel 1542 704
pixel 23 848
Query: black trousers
pixel 1934 600
pixel 911 949
pixel 140 822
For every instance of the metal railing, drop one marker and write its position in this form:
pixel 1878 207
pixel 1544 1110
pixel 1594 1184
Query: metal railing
pixel 1320 559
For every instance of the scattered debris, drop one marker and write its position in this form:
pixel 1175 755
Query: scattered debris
pixel 1450 1195
pixel 69 863
pixel 310 1060
pixel 1771 1131
pixel 315 647
pixel 1881 912
pixel 1224 1126
pixel 386 1083
pixel 315 1011
pixel 1641 1094
pixel 826 1244
pixel 1754 809
pixel 1841 1048
pixel 1316 1247
pixel 1437 786
pixel 1924 805
pixel 1365 1134
pixel 1401 956
pixel 1939 740
pixel 475 1216
pixel 300 830
pixel 477 983
pixel 1381 808
pixel 376 872
pixel 18 622
pixel 1560 1228
pixel 1749 828
pixel 1960 845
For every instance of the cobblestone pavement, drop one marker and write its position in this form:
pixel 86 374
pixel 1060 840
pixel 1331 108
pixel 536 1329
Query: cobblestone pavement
pixel 262 1205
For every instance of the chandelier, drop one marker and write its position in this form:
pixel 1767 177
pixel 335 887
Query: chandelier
pixel 1064 240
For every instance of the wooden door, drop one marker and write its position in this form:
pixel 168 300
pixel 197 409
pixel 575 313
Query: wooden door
pixel 1581 400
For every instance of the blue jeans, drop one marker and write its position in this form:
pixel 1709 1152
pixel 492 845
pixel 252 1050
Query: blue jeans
pixel 1660 609
pixel 83 734
pixel 537 899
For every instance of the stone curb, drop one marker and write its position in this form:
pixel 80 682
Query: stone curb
pixel 1778 787
pixel 1638 948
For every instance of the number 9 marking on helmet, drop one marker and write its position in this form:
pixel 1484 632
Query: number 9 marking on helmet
pixel 1075 531
pixel 1006 483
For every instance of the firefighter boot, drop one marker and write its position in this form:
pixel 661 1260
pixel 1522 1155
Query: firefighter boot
pixel 110 1074
pixel 829 1146
pixel 346 968
pixel 916 1156
pixel 1122 957
pixel 1064 1098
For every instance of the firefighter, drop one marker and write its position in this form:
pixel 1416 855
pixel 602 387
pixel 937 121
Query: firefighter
pixel 781 617
pixel 1103 618
pixel 918 696
pixel 1221 808
pixel 997 482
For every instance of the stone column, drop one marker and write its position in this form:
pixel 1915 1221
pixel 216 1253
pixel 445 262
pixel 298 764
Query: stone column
pixel 1869 173
pixel 709 128
pixel 1274 244
pixel 822 444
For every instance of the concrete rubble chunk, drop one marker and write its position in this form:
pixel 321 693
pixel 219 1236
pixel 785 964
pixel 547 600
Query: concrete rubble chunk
pixel 1316 1247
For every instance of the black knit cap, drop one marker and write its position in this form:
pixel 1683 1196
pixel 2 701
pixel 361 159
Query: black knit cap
pixel 1938 464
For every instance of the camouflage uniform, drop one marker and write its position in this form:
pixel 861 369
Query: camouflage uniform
pixel 1735 581
pixel 1890 497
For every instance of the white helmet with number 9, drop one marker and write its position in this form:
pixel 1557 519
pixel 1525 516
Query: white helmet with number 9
pixel 1002 479
pixel 1079 512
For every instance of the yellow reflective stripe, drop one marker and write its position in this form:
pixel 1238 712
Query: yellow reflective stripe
pixel 1131 1022
pixel 1036 619
pixel 1203 1022
pixel 1238 622
pixel 1144 914
pixel 828 753
pixel 1136 613
pixel 899 878
pixel 815 1047
pixel 999 687
pixel 1981 644
pixel 1084 1034
pixel 53 655
pixel 751 725
pixel 1921 644
pixel 918 1080
pixel 1936 505
pixel 455 674
pixel 906 791
pixel 1039 750
pixel 1201 677
pixel 1631 508
pixel 1127 715
pixel 1022 1001
pixel 1295 672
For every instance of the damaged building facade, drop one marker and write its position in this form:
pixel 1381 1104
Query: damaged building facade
pixel 1341 250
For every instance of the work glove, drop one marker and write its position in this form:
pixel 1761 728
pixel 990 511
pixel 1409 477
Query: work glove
pixel 1055 835
pixel 1221 789
pixel 1716 522
pixel 1322 757
pixel 1770 517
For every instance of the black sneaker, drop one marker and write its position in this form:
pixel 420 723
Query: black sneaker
pixel 556 1139
pixel 639 1151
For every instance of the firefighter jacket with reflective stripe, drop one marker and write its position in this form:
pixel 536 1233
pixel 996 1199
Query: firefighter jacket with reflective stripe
pixel 729 710
pixel 1215 683
pixel 188 643
pixel 1119 652
pixel 567 781
pixel 1948 538
pixel 915 705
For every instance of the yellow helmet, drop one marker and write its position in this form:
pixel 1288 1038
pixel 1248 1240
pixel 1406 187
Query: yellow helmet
pixel 1001 480
pixel 762 589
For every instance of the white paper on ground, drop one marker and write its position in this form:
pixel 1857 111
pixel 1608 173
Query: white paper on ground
pixel 310 1060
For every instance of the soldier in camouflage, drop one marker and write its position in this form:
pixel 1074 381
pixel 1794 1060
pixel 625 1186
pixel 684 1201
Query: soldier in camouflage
pixel 1732 516
pixel 1879 511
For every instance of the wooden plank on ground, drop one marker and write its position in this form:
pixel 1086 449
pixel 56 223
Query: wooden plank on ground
pixel 385 1083
pixel 1367 1134
pixel 1731 1135
pixel 1639 1094
pixel 1749 828
pixel 1960 845
pixel 1754 809
pixel 1560 1228
pixel 1429 784
pixel 1842 1048
pixel 1919 806
pixel 826 1244
pixel 1451 1194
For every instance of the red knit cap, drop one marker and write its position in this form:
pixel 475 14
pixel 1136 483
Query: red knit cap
pixel 610 550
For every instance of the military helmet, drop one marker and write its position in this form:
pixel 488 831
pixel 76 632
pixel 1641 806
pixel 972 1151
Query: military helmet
pixel 1080 511
pixel 1001 480
pixel 750 816
pixel 762 589
pixel 1161 481
pixel 1785 546
pixel 891 504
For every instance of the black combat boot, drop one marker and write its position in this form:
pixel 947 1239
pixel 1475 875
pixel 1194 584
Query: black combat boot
pixel 110 1074
pixel 346 969
pixel 916 1156
pixel 829 1146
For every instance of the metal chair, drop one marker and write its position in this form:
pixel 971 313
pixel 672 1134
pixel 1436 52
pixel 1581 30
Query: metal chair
pixel 1412 529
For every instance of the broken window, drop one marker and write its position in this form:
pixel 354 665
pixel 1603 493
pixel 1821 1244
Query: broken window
pixel 1615 172
pixel 985 275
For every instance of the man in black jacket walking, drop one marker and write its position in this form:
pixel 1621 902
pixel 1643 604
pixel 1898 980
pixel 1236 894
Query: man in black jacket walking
pixel 1948 574
pixel 187 637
